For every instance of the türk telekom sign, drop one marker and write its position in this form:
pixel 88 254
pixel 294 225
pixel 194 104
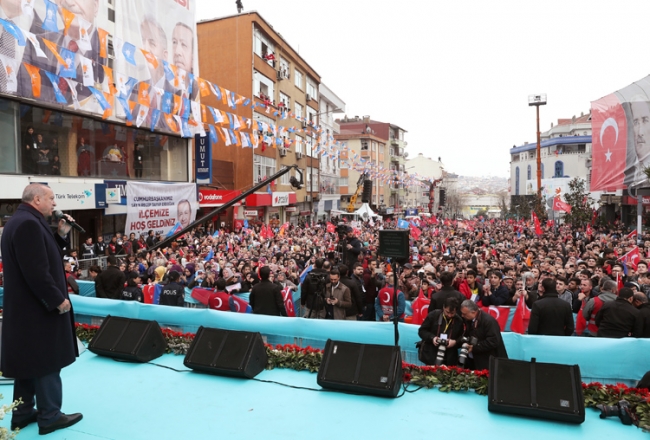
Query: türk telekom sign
pixel 216 197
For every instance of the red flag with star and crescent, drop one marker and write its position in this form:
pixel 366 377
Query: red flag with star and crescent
pixel 609 144
pixel 500 313
pixel 538 227
pixel 560 205
pixel 632 258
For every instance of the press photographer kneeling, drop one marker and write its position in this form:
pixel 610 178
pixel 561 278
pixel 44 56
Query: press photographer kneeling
pixel 441 333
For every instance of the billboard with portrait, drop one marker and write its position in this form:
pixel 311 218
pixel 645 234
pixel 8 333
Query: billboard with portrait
pixel 621 138
pixel 132 61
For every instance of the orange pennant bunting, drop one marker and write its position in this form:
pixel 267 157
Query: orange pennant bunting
pixel 103 43
pixel 204 87
pixel 67 19
pixel 177 104
pixel 151 59
pixel 108 73
pixel 52 46
pixel 143 94
pixel 35 78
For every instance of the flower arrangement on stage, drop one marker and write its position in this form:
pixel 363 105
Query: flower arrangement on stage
pixel 444 378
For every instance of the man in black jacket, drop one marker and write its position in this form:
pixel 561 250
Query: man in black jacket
pixel 641 303
pixel 310 298
pixel 172 294
pixel 356 309
pixel 441 324
pixel 550 315
pixel 439 298
pixel 619 318
pixel 266 296
pixel 352 248
pixel 110 282
pixel 487 332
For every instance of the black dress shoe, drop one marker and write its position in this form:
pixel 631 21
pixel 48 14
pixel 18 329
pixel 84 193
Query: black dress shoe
pixel 64 421
pixel 29 420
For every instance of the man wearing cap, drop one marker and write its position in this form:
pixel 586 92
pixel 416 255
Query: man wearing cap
pixel 173 294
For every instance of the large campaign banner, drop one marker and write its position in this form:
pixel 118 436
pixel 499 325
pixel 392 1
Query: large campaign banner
pixel 163 208
pixel 620 123
pixel 133 61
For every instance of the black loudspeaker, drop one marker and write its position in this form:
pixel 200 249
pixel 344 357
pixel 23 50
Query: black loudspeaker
pixel 133 340
pixel 366 196
pixel 443 198
pixel 361 368
pixel 535 389
pixel 227 353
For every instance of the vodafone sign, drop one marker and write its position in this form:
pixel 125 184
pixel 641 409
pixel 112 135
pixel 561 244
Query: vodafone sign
pixel 216 197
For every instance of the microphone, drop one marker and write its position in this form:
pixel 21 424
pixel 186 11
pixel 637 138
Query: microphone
pixel 59 215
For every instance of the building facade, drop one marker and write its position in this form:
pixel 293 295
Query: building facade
pixel 80 106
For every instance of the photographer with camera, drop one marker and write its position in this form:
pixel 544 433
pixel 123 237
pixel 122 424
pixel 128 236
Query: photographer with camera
pixel 487 332
pixel 441 332
pixel 312 291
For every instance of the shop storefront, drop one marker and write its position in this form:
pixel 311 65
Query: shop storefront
pixel 210 199
pixel 272 207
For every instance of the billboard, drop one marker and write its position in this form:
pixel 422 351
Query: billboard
pixel 620 149
pixel 133 61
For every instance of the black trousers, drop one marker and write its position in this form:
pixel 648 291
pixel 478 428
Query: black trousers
pixel 48 392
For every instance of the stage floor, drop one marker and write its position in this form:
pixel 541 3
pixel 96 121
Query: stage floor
pixel 123 401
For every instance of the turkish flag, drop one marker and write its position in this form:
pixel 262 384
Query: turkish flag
pixel 287 297
pixel 521 319
pixel 330 227
pixel 589 231
pixel 560 205
pixel 241 306
pixel 415 232
pixel 202 295
pixel 500 313
pixel 538 227
pixel 219 301
pixel 632 258
pixel 631 234
pixel 420 308
pixel 609 144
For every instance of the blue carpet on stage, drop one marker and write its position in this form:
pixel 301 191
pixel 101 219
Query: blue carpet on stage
pixel 122 401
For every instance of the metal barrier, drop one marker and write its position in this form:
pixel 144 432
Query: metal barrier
pixel 84 265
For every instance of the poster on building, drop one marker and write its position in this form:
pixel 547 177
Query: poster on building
pixel 621 138
pixel 133 61
pixel 160 207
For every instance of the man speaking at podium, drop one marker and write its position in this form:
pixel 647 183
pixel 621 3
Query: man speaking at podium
pixel 38 337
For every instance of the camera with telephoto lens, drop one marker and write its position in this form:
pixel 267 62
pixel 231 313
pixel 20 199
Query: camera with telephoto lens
pixel 464 348
pixel 621 409
pixel 442 348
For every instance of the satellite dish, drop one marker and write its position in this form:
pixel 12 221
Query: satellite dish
pixel 406 155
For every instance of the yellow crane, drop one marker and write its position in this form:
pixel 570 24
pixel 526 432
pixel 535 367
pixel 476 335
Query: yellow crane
pixel 353 199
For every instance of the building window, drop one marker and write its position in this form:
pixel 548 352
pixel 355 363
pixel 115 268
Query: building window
pixel 264 48
pixel 284 69
pixel 559 169
pixel 299 144
pixel 364 145
pixel 298 110
pixel 264 167
pixel 312 90
pixel 343 181
pixel 529 173
pixel 297 78
pixel 284 102
pixel 517 181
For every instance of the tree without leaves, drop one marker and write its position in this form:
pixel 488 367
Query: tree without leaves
pixel 581 204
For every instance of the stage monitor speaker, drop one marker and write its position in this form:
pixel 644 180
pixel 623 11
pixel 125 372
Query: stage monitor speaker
pixel 361 368
pixel 133 340
pixel 227 353
pixel 535 389
pixel 366 195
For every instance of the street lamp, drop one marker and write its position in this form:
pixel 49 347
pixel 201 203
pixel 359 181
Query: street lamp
pixel 538 100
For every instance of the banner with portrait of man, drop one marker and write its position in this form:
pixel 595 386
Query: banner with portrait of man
pixel 621 138
pixel 163 208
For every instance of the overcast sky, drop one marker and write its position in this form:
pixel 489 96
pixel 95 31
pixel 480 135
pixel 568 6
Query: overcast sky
pixel 457 75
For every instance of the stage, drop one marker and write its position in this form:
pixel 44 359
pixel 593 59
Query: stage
pixel 122 401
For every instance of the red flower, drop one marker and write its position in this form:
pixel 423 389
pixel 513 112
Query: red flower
pixel 407 377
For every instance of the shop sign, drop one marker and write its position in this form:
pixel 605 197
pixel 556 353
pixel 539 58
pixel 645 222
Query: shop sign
pixel 280 199
pixel 251 213
pixel 73 196
pixel 291 209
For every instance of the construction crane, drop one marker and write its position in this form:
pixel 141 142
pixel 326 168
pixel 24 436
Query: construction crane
pixel 353 199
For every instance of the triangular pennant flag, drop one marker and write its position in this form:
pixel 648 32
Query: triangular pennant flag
pixel 143 93
pixel 226 136
pixel 127 109
pixel 68 69
pixel 37 46
pixel 143 112
pixel 72 86
pixel 196 111
pixel 151 58
pixel 10 67
pixel 213 134
pixel 103 42
pixel 14 31
pixel 49 24
pixel 204 88
pixel 87 71
pixel 85 27
pixel 68 17
pixel 177 104
pixel 108 86
pixel 128 50
pixel 50 45
pixel 155 116
pixel 166 106
pixel 35 78
pixel 54 79
pixel 103 102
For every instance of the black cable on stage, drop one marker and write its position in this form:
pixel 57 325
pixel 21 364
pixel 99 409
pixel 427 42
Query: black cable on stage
pixel 151 363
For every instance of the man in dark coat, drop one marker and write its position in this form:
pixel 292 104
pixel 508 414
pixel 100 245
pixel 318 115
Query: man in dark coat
pixel 550 315
pixel 110 283
pixel 356 308
pixel 487 332
pixel 619 318
pixel 439 298
pixel 38 336
pixel 352 249
pixel 642 304
pixel 441 324
pixel 266 296
pixel 173 294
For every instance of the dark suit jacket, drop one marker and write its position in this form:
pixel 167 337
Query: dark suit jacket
pixel 110 283
pixel 36 339
pixel 551 316
pixel 618 319
pixel 439 298
pixel 266 299
pixel 490 343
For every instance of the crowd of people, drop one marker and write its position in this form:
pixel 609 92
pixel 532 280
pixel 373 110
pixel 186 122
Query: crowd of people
pixel 571 282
